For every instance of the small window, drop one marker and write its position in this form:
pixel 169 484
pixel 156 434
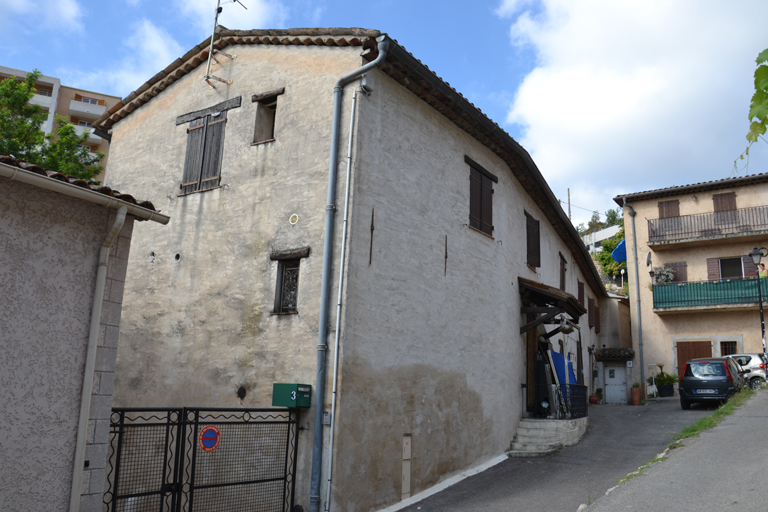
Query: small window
pixel 90 101
pixel 591 312
pixel 84 123
pixel 44 92
pixel 563 270
pixel 730 268
pixel 533 241
pixel 679 271
pixel 727 348
pixel 581 292
pixel 205 146
pixel 287 286
pixel 668 209
pixel 724 202
pixel 480 197
pixel 266 108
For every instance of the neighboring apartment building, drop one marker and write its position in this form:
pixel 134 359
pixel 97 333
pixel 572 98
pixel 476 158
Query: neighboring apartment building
pixel 64 247
pixel 457 257
pixel 78 106
pixel 703 233
pixel 594 241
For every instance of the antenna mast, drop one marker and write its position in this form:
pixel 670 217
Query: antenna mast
pixel 208 76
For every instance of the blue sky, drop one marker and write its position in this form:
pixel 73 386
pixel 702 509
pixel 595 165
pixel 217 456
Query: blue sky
pixel 608 96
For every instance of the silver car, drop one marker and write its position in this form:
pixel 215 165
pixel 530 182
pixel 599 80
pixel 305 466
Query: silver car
pixel 754 365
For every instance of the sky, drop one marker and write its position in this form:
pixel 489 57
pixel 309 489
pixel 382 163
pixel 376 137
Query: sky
pixel 608 96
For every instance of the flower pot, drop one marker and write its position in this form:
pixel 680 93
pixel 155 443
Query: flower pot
pixel 594 399
pixel 637 396
pixel 666 390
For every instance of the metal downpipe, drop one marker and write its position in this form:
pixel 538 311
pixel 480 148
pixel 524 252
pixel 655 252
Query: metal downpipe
pixel 330 208
pixel 632 214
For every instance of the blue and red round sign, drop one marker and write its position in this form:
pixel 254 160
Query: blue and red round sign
pixel 209 438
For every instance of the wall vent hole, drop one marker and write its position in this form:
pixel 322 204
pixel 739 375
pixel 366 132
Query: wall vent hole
pixel 241 392
pixel 178 257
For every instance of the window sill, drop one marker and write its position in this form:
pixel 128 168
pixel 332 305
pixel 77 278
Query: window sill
pixel 287 313
pixel 199 191
pixel 262 142
pixel 481 232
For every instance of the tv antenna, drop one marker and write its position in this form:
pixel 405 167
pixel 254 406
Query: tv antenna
pixel 208 76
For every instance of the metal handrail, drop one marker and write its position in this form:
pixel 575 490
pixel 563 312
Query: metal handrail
pixel 706 225
pixel 706 293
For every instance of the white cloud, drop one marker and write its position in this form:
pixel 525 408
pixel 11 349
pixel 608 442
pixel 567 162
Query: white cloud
pixel 148 50
pixel 259 14
pixel 64 15
pixel 634 95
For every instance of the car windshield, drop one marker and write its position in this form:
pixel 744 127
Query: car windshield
pixel 705 369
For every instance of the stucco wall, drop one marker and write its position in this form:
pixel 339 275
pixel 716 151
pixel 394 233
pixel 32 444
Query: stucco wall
pixel 431 348
pixel 50 246
pixel 661 332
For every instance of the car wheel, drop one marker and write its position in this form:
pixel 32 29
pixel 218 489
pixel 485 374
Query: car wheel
pixel 755 383
pixel 685 404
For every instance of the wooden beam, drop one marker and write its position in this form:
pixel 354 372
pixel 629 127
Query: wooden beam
pixel 552 333
pixel 530 325
pixel 542 309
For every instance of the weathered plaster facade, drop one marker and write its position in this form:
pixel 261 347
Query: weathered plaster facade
pixel 430 346
pixel 50 247
pixel 664 328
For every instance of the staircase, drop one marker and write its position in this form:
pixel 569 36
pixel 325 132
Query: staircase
pixel 539 437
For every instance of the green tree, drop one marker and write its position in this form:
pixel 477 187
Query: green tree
pixel 758 109
pixel 614 218
pixel 22 137
pixel 610 266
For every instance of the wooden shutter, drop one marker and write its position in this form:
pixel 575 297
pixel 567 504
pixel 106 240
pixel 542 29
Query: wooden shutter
pixel 679 271
pixel 713 269
pixel 724 202
pixel 193 162
pixel 581 292
pixel 597 319
pixel 534 243
pixel 750 270
pixel 591 312
pixel 562 271
pixel 669 209
pixel 487 206
pixel 214 147
pixel 475 199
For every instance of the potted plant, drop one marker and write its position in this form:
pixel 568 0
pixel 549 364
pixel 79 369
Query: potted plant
pixel 637 393
pixel 596 397
pixel 664 382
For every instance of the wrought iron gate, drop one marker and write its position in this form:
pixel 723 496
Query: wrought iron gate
pixel 207 460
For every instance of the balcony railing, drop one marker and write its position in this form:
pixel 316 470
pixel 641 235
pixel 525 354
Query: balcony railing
pixel 708 293
pixel 705 225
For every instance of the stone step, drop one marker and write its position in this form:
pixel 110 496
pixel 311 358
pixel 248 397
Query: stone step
pixel 542 424
pixel 534 447
pixel 544 453
pixel 536 433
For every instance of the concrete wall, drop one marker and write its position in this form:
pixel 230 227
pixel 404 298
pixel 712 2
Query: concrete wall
pixel 431 348
pixel 50 253
pixel 663 330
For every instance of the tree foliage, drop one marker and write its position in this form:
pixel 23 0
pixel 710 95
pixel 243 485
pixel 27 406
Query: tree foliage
pixel 22 136
pixel 610 266
pixel 612 218
pixel 758 107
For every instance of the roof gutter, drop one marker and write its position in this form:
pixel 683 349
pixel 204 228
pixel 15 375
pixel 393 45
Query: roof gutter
pixel 384 45
pixel 44 182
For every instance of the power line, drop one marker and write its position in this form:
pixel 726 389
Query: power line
pixel 580 207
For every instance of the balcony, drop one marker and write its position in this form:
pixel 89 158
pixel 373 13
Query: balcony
pixel 86 110
pixel 704 227
pixel 42 100
pixel 92 139
pixel 707 295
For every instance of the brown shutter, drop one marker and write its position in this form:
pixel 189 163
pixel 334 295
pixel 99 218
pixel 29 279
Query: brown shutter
pixel 193 162
pixel 214 147
pixel 475 198
pixel 669 209
pixel 487 206
pixel 562 271
pixel 591 312
pixel 581 292
pixel 724 202
pixel 597 319
pixel 713 269
pixel 679 271
pixel 750 270
pixel 534 243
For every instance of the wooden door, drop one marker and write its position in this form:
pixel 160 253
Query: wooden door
pixel 687 350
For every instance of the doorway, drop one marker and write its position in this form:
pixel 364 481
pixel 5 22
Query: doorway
pixel 615 385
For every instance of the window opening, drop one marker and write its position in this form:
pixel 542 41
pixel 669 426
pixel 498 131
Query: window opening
pixel 480 197
pixel 533 241
pixel 85 123
pixel 205 146
pixel 679 271
pixel 563 269
pixel 731 268
pixel 668 209
pixel 727 348
pixel 266 109
pixel 287 286
pixel 90 100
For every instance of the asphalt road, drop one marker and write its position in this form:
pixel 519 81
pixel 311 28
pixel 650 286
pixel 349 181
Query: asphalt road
pixel 618 441
pixel 722 470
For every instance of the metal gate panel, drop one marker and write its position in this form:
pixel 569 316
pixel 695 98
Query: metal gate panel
pixel 615 385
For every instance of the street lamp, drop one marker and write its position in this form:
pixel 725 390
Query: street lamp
pixel 757 255
pixel 622 279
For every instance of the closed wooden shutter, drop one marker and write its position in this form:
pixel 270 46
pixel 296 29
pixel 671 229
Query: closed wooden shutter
pixel 563 268
pixel 679 271
pixel 597 319
pixel 669 209
pixel 713 269
pixel 534 244
pixel 724 202
pixel 581 292
pixel 475 199
pixel 193 162
pixel 487 208
pixel 214 147
pixel 750 270
pixel 591 312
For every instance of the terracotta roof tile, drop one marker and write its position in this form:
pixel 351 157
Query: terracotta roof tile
pixel 735 181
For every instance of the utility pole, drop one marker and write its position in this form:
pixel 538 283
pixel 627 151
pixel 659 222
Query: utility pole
pixel 569 204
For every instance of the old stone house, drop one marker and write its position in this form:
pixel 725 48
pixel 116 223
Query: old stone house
pixel 457 255
pixel 64 244
pixel 702 233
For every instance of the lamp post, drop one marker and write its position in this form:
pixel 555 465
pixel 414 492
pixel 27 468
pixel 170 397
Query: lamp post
pixel 622 279
pixel 757 255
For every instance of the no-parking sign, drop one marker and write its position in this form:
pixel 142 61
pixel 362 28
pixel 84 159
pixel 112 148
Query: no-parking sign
pixel 209 438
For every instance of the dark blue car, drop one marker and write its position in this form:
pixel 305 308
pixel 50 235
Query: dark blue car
pixel 711 379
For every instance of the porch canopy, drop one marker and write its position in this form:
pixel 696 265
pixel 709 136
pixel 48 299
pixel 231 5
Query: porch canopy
pixel 540 299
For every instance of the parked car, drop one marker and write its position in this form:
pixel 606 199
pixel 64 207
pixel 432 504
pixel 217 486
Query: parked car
pixel 754 364
pixel 710 379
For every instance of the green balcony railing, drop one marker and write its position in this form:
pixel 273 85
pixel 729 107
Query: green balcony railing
pixel 708 293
